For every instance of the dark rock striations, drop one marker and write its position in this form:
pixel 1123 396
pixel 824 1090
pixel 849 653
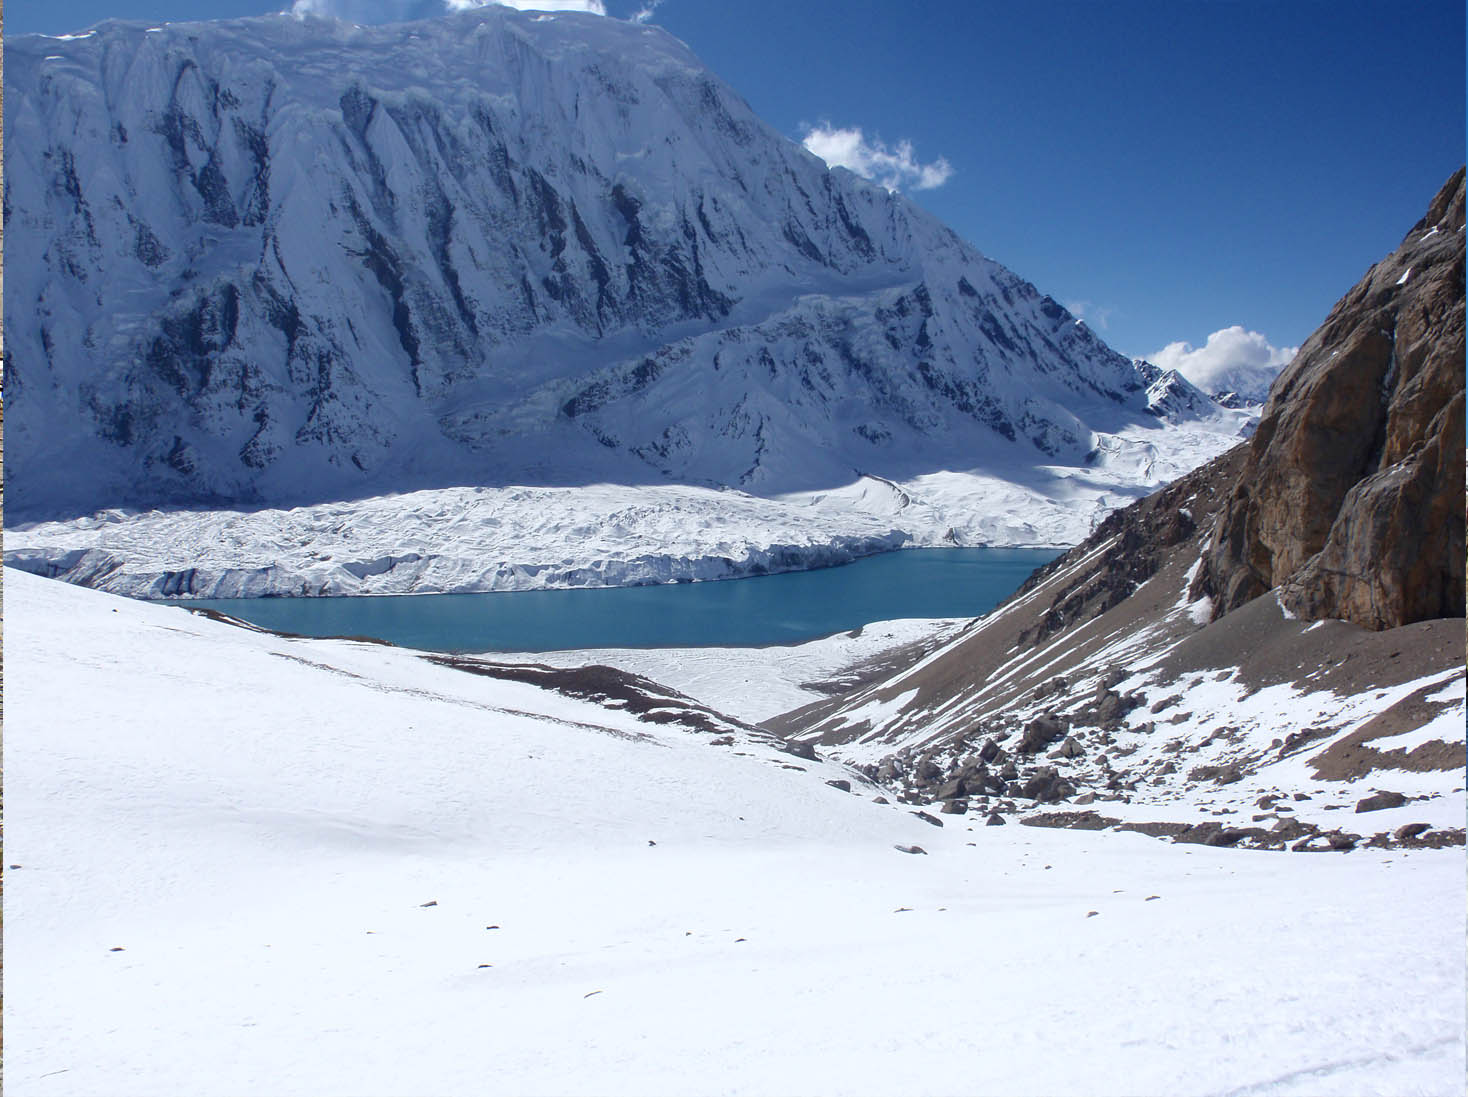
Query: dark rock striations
pixel 1350 499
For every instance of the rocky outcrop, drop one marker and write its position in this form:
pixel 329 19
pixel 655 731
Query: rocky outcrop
pixel 1127 548
pixel 1350 499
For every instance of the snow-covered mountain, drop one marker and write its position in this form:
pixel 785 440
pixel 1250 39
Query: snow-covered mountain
pixel 286 260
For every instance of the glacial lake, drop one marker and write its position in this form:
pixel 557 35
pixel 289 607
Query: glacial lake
pixel 769 609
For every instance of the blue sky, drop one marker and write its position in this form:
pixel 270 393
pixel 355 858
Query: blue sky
pixel 1168 169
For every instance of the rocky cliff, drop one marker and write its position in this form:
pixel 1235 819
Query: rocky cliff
pixel 1351 495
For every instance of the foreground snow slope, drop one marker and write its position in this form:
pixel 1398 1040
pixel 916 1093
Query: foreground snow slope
pixel 255 865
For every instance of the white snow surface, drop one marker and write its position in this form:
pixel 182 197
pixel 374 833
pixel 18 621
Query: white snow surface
pixel 753 684
pixel 466 539
pixel 251 865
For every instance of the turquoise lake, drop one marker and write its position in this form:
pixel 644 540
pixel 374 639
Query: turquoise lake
pixel 767 609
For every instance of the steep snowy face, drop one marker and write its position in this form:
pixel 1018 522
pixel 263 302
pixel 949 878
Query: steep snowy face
pixel 284 260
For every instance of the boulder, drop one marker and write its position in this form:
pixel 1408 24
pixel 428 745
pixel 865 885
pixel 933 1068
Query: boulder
pixel 927 771
pixel 955 807
pixel 1040 732
pixel 841 783
pixel 949 789
pixel 1289 830
pixel 1112 706
pixel 1224 775
pixel 798 749
pixel 1410 830
pixel 1380 801
pixel 994 820
pixel 1046 786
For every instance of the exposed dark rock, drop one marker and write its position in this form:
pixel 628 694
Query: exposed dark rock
pixel 1410 830
pixel 1289 830
pixel 1047 786
pixel 955 807
pixel 910 849
pixel 1051 688
pixel 1380 801
pixel 1112 706
pixel 1070 820
pixel 1224 775
pixel 841 783
pixel 950 789
pixel 1156 830
pixel 1040 733
pixel 925 817
pixel 1228 836
pixel 994 820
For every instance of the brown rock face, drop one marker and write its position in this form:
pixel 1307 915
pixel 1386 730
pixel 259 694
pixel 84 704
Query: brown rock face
pixel 1351 495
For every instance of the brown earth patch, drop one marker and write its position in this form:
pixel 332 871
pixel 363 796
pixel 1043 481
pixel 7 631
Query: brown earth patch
pixel 1354 756
pixel 1070 820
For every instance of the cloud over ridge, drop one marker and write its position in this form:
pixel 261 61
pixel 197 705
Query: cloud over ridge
pixel 1233 359
pixel 894 168
pixel 403 11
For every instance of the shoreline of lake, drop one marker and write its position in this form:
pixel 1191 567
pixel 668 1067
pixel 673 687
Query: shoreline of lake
pixel 775 609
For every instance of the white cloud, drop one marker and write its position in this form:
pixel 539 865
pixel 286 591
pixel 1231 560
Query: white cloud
pixel 645 13
pixel 892 168
pixel 1232 360
pixel 402 11
pixel 596 7
pixel 1098 316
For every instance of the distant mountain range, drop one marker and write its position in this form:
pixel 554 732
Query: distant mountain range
pixel 281 260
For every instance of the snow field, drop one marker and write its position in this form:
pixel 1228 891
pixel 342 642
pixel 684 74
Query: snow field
pixel 257 824
pixel 753 684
